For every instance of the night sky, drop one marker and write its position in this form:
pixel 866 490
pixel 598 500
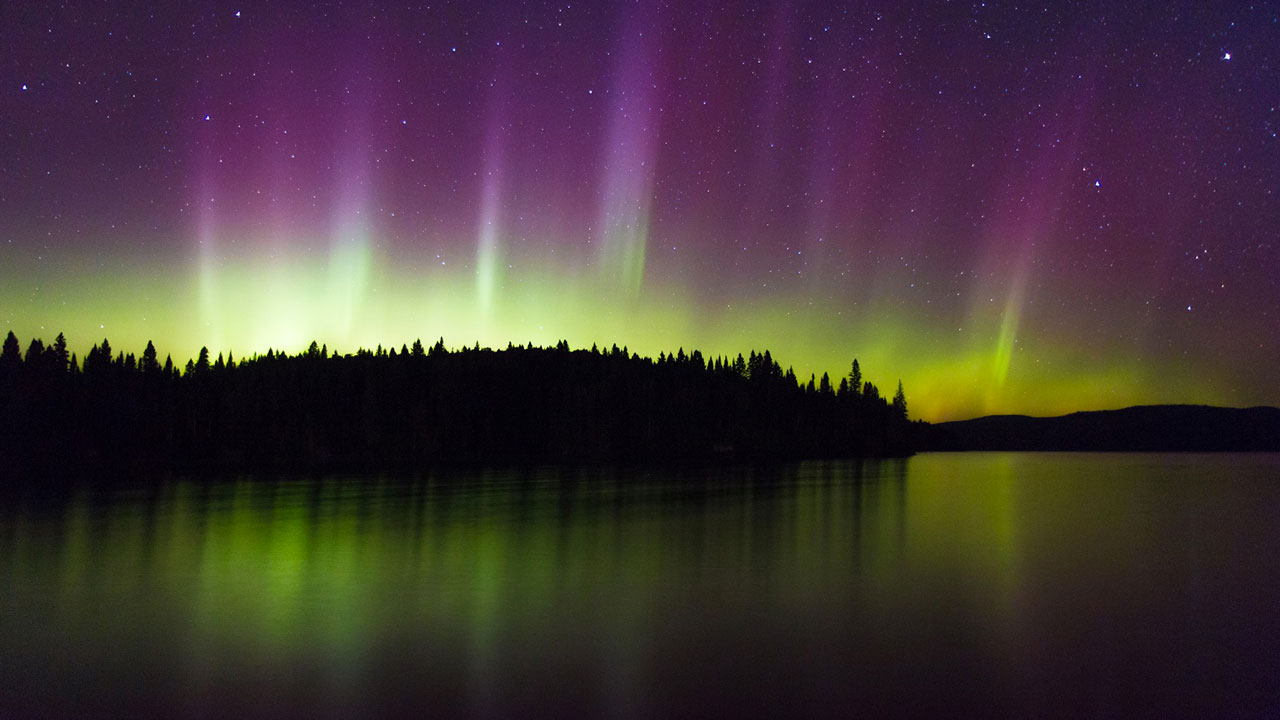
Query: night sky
pixel 1013 208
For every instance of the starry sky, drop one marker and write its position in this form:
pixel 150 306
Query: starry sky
pixel 1030 208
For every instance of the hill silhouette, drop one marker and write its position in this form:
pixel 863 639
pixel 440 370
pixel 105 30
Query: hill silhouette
pixel 1149 428
pixel 418 408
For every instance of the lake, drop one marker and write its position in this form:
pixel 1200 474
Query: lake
pixel 985 584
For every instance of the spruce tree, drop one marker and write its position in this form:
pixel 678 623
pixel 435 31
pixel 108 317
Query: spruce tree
pixel 855 377
pixel 60 356
pixel 150 365
pixel 12 355
pixel 34 351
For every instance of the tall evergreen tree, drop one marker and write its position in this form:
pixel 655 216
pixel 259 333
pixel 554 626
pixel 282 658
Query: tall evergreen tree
pixel 91 359
pixel 900 402
pixel 60 357
pixel 12 353
pixel 34 351
pixel 855 377
pixel 150 365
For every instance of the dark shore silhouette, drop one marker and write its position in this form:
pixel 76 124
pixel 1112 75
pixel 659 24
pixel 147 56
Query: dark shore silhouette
pixel 418 408
pixel 1152 428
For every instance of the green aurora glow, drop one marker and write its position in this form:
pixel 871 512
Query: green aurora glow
pixel 356 298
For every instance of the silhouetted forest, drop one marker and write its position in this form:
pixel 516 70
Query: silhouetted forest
pixel 417 408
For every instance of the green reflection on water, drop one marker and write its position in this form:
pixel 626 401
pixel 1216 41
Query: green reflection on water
pixel 815 583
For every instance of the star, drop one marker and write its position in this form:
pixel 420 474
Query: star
pixel 1226 56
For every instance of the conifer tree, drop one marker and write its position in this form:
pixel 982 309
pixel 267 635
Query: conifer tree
pixel 60 357
pixel 149 363
pixel 34 351
pixel 12 354
pixel 900 402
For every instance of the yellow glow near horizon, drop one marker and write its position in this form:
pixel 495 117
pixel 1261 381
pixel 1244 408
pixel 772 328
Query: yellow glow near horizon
pixel 356 297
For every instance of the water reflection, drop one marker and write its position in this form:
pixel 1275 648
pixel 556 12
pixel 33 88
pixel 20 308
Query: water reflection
pixel 1010 583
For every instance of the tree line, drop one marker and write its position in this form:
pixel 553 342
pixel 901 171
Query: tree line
pixel 418 407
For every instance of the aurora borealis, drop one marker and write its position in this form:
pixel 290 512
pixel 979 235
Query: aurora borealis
pixel 1031 209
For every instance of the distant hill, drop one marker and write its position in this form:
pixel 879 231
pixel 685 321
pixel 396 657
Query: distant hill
pixel 1163 428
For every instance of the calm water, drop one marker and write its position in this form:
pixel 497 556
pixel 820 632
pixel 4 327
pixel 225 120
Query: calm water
pixel 980 584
